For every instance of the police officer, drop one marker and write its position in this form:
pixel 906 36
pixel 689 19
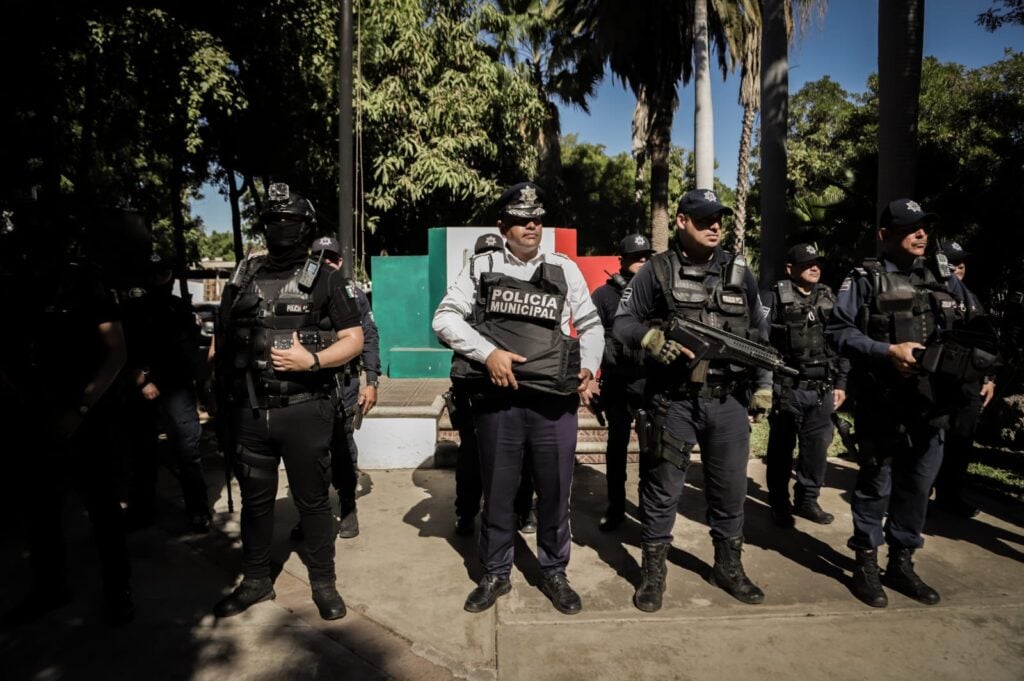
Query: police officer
pixel 886 310
pixel 507 318
pixel 468 487
pixel 799 307
pixel 707 404
pixel 163 339
pixel 285 323
pixel 352 399
pixel 59 384
pixel 952 478
pixel 622 382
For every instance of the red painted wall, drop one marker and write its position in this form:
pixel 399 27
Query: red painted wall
pixel 592 266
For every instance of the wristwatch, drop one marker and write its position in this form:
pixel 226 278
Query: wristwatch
pixel 372 384
pixel 316 363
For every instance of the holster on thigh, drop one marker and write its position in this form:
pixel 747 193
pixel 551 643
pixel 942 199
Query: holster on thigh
pixel 256 466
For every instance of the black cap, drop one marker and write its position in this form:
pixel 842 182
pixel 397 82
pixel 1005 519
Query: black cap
pixel 801 254
pixel 635 244
pixel 327 244
pixel 487 242
pixel 700 203
pixel 524 200
pixel 954 251
pixel 904 213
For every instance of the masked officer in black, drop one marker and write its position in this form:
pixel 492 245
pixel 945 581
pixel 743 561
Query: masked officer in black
pixel 509 326
pixel 59 384
pixel 799 308
pixel 622 376
pixel 886 311
pixel 352 399
pixel 285 323
pixel 468 489
pixel 163 338
pixel 706 405
pixel 957 453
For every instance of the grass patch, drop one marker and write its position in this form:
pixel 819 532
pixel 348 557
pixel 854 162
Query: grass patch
pixel 759 441
pixel 998 472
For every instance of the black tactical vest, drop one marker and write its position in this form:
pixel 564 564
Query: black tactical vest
pixel 525 317
pixel 618 360
pixel 908 307
pixel 800 333
pixel 263 315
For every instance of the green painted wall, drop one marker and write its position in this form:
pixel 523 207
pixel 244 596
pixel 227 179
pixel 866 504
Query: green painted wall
pixel 401 303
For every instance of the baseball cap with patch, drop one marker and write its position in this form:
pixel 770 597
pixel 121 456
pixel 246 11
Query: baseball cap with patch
pixel 327 244
pixel 487 242
pixel 954 251
pixel 635 244
pixel 801 254
pixel 700 203
pixel 523 200
pixel 905 213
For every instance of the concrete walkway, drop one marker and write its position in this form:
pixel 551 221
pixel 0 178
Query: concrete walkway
pixel 406 576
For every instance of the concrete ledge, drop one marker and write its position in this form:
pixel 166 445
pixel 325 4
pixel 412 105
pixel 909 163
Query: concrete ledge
pixel 405 442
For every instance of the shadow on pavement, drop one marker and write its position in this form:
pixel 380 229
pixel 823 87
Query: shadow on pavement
pixel 435 517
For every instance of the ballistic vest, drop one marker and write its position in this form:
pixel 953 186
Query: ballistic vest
pixel 262 316
pixel 908 307
pixel 715 295
pixel 525 317
pixel 619 360
pixel 800 335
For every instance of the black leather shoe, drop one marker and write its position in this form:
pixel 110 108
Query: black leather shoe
pixel 563 597
pixel 810 510
pixel 528 523
pixel 245 595
pixel 349 526
pixel 297 534
pixel 464 526
pixel 328 600
pixel 782 517
pixel 118 607
pixel 487 592
pixel 900 576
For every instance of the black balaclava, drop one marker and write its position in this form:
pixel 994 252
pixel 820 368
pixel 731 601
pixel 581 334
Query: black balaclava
pixel 286 244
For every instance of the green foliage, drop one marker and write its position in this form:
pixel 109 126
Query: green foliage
pixel 216 246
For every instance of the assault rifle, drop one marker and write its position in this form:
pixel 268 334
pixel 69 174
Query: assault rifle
pixel 708 342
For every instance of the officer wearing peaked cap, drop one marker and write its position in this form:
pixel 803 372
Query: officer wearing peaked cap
pixel 507 317
pixel 622 371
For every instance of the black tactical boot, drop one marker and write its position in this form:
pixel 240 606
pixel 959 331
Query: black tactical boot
pixel 809 509
pixel 728 573
pixel 900 576
pixel 349 526
pixel 528 522
pixel 866 583
pixel 652 580
pixel 487 592
pixel 563 597
pixel 247 594
pixel 328 600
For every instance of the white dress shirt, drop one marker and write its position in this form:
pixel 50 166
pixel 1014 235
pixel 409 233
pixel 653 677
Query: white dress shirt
pixel 450 320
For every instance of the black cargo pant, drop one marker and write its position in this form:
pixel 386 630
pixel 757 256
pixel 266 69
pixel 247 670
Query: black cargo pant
pixel 952 479
pixel 299 434
pixel 720 426
pixel 803 418
pixel 344 452
pixel 468 484
pixel 505 428
pixel 621 399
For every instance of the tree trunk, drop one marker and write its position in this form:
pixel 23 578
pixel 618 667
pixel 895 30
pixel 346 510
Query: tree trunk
pixel 641 148
pixel 236 215
pixel 703 120
pixel 900 37
pixel 177 189
pixel 774 119
pixel 743 179
pixel 549 158
pixel 660 145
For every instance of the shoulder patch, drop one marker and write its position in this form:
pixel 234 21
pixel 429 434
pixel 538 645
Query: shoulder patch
pixel 627 293
pixel 847 283
pixel 349 291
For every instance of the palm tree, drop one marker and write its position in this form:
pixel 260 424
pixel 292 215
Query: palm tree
pixel 641 129
pixel 900 36
pixel 535 37
pixel 703 116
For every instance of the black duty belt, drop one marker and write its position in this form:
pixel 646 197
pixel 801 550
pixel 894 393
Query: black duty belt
pixel 714 391
pixel 278 401
pixel 820 385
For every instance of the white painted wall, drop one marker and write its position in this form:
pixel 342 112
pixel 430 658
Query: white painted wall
pixel 386 443
pixel 460 242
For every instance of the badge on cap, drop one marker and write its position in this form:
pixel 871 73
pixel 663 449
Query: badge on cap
pixel 710 196
pixel 640 241
pixel 955 246
pixel 810 250
pixel 324 241
pixel 491 241
pixel 913 207
pixel 528 195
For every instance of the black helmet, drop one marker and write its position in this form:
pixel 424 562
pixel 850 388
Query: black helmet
pixel 283 203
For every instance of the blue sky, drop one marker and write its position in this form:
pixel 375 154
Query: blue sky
pixel 842 45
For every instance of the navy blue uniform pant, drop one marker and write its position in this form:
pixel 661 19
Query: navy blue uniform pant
pixel 344 452
pixel 959 447
pixel 801 418
pixel 620 399
pixel 720 427
pixel 468 483
pixel 300 435
pixel 900 459
pixel 505 429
